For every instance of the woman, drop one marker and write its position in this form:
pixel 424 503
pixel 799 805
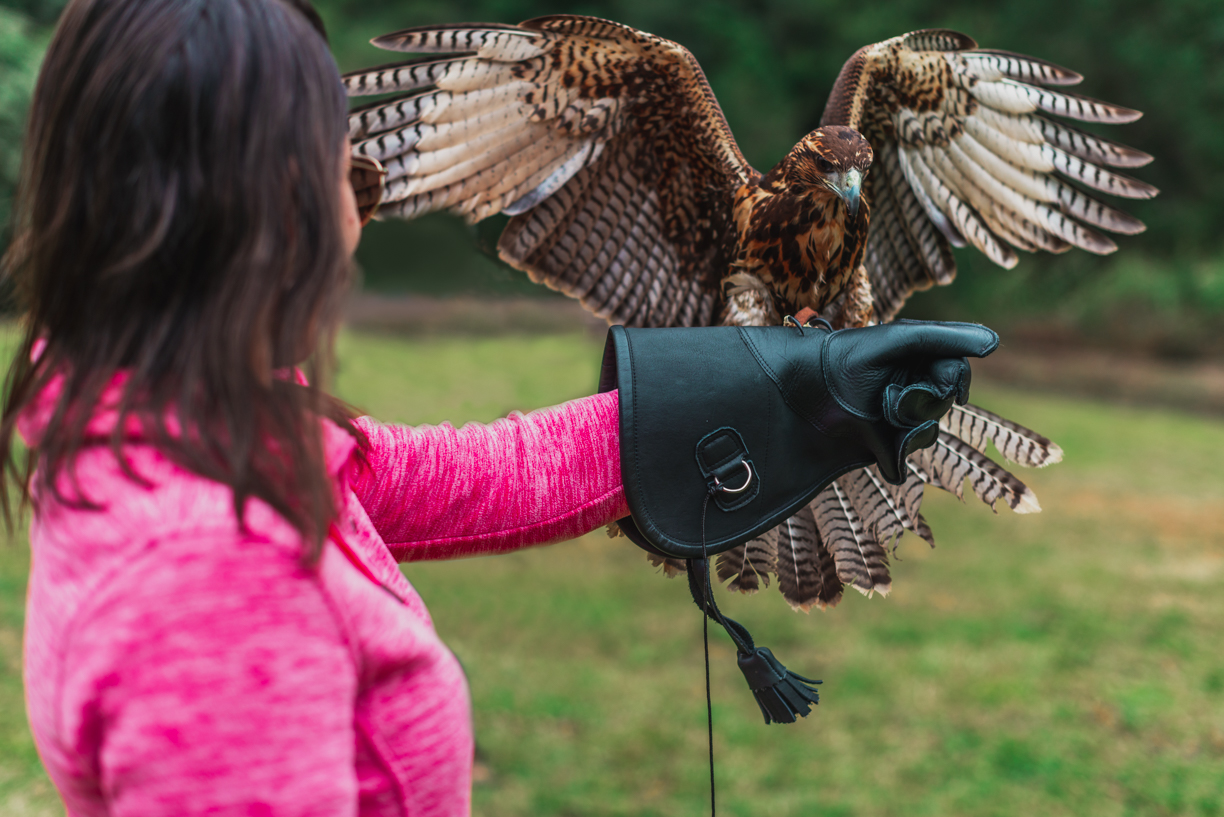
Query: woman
pixel 216 619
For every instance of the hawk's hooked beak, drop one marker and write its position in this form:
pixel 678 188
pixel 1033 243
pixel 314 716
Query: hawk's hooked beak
pixel 848 186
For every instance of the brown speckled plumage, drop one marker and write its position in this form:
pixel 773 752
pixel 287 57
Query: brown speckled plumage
pixel 793 232
pixel 627 191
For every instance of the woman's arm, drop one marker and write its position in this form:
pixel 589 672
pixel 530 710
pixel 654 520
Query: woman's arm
pixel 437 492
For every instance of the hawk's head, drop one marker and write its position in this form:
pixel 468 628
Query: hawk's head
pixel 833 158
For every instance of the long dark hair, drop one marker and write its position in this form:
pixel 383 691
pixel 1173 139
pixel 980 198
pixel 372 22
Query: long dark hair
pixel 178 219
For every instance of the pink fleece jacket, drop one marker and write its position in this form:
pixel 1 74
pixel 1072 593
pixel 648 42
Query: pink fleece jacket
pixel 177 663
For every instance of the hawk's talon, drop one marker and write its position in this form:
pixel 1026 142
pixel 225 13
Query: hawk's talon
pixel 811 322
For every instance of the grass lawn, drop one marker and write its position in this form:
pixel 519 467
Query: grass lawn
pixel 1067 663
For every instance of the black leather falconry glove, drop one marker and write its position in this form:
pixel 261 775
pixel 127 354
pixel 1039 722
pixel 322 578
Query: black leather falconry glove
pixel 762 418
pixel 758 420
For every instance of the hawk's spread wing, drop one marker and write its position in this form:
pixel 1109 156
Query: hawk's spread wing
pixel 964 153
pixel 605 143
pixel 607 147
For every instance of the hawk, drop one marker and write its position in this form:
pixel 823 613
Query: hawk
pixel 627 191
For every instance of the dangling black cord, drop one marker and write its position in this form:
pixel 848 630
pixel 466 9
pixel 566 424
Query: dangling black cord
pixel 705 633
pixel 705 637
pixel 782 695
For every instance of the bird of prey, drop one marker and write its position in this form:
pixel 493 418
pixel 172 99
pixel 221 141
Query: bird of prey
pixel 627 191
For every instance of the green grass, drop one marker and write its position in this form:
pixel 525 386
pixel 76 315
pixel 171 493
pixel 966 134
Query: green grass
pixel 1066 663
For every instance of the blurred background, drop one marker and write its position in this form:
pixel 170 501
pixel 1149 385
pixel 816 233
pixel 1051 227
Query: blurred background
pixel 772 63
pixel 1066 663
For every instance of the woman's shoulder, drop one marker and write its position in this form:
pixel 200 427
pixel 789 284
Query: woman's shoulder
pixel 164 546
pixel 108 509
pixel 172 614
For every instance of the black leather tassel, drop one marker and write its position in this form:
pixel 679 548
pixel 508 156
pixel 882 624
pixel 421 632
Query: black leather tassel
pixel 782 695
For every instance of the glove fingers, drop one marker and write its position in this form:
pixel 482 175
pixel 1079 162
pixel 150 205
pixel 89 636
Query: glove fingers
pixel 915 405
pixel 908 342
pixel 905 441
pixel 951 378
pixel 922 437
pixel 931 398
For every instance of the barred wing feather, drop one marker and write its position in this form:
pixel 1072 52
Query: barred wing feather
pixel 966 153
pixel 604 143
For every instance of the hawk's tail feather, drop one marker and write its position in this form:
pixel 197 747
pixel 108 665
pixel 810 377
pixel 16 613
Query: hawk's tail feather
pixel 952 461
pixel 730 565
pixel 807 572
pixel 861 560
pixel 878 506
pixel 908 496
pixel 977 427
pixel 671 567
pixel 747 567
pixel 760 556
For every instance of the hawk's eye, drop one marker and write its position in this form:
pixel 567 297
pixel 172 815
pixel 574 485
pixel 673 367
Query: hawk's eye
pixel 824 165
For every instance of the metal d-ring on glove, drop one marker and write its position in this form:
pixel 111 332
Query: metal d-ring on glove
pixel 747 481
pixel 791 408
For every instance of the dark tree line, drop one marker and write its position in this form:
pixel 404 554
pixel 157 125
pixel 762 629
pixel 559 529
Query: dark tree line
pixel 772 64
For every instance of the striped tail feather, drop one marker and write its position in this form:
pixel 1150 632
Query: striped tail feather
pixel 862 562
pixel 860 515
pixel 671 567
pixel 760 558
pixel 977 427
pixel 952 461
pixel 884 510
pixel 877 506
pixel 746 567
pixel 843 536
pixel 807 571
pixel 730 565
pixel 908 496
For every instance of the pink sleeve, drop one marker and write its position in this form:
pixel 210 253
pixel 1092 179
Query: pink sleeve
pixel 216 682
pixel 436 492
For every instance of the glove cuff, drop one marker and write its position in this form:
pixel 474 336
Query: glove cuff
pixel 701 414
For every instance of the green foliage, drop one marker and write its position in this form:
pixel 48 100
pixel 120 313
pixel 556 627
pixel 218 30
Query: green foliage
pixel 772 62
pixel 41 12
pixel 21 47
